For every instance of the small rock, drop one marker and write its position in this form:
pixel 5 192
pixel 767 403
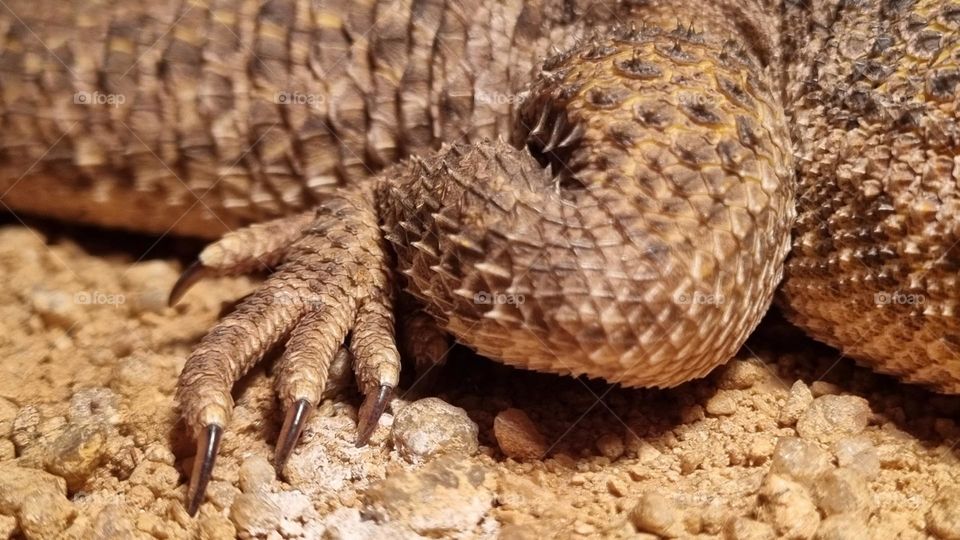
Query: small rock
pixel 7 450
pixel 114 521
pixel 691 460
pixel 842 491
pixel 94 405
pixel 741 374
pixel 58 308
pixel 761 448
pixel 843 527
pixel 76 454
pixel 611 446
pixel 823 388
pixel 26 426
pixel 215 527
pixel 858 453
pixel 45 515
pixel 255 514
pixel 799 399
pixel 159 453
pixel 517 435
pixel 430 427
pixel 658 515
pixel 943 518
pixel 799 460
pixel 8 526
pixel 830 418
pixel 256 474
pixel 742 528
pixel 713 517
pixel 722 403
pixel 424 500
pixel 691 414
pixel 8 411
pixel 159 478
pixel 17 483
pixel 788 507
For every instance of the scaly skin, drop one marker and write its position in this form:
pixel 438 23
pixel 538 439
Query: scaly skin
pixel 633 227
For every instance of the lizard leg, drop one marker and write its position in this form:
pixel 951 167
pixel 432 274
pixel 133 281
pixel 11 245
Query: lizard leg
pixel 422 340
pixel 332 279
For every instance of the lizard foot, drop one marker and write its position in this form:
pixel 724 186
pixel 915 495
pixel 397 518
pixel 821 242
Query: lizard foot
pixel 331 280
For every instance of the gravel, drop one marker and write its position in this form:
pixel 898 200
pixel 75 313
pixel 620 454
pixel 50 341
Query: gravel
pixel 431 427
pixel 830 418
pixel 517 435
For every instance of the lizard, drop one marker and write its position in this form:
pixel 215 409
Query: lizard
pixel 616 189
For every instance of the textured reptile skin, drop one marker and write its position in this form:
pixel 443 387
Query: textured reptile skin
pixel 632 223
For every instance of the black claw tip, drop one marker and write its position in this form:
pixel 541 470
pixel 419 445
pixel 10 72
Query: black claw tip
pixel 373 405
pixel 207 447
pixel 190 276
pixel 292 426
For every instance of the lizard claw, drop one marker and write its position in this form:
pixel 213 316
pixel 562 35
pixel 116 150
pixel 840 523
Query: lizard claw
pixel 370 411
pixel 190 276
pixel 290 433
pixel 207 446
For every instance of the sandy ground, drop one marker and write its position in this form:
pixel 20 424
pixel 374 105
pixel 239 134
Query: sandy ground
pixel 788 440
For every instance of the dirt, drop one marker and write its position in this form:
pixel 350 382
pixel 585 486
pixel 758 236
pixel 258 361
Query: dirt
pixel 789 439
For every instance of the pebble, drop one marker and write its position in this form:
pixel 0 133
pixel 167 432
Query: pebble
pixel 8 526
pixel 843 527
pixel 7 450
pixel 159 478
pixel 761 448
pixel 741 374
pixel 256 474
pixel 57 308
pixel 799 399
pixel 748 529
pixel 858 453
pixel 45 514
pixel 26 426
pixel 943 518
pixel 96 405
pixel 446 496
pixel 517 435
pixel 8 411
pixel 799 460
pixel 657 514
pixel 76 454
pixel 215 527
pixel 611 446
pixel 842 491
pixel 254 514
pixel 787 506
pixel 830 418
pixel 429 427
pixel 823 388
pixel 722 403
